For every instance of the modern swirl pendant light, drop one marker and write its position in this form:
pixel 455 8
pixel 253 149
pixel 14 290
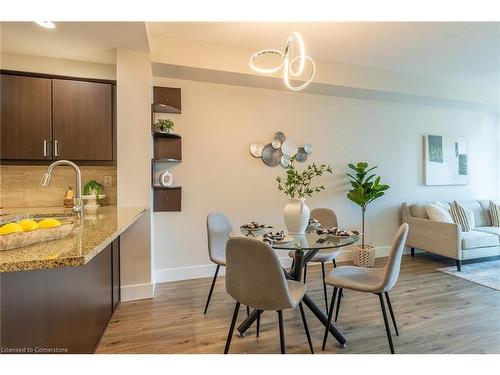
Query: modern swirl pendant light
pixel 293 61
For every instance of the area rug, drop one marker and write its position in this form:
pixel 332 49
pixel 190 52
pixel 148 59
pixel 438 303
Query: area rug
pixel 482 273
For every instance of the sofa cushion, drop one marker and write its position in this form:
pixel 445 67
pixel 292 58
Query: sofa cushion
pixel 477 210
pixel 442 204
pixel 485 205
pixel 494 214
pixel 474 239
pixel 418 210
pixel 490 230
pixel 438 213
pixel 462 216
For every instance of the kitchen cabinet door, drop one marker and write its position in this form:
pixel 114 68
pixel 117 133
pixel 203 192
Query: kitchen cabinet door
pixel 26 118
pixel 83 120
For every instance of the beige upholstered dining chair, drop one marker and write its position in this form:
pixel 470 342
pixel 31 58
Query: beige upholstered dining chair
pixel 327 219
pixel 254 277
pixel 370 280
pixel 218 230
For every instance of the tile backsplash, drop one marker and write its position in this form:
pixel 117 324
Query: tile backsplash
pixel 20 185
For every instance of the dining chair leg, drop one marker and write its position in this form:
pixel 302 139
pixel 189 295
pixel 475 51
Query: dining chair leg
pixel 338 304
pixel 305 272
pixel 392 313
pixel 293 264
pixel 231 328
pixel 335 266
pixel 258 321
pixel 329 321
pixel 306 328
pixel 248 311
pixel 324 286
pixel 282 331
pixel 387 328
pixel 211 288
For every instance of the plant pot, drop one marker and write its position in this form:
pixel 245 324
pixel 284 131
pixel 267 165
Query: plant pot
pixel 364 256
pixel 296 215
pixel 92 205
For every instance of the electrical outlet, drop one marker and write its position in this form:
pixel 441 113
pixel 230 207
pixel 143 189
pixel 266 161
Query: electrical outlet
pixel 108 181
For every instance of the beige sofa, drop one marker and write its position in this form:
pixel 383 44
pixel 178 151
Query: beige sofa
pixel 447 239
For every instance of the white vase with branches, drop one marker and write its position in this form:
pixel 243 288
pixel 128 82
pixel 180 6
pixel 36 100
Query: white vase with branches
pixel 297 186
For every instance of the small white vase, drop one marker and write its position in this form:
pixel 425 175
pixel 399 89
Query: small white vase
pixel 296 215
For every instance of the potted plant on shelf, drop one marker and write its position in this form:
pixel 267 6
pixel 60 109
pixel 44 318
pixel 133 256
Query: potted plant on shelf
pixel 365 189
pixel 297 185
pixel 164 125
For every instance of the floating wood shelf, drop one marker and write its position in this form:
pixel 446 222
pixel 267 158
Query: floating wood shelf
pixel 167 198
pixel 166 100
pixel 167 147
pixel 165 135
pixel 170 160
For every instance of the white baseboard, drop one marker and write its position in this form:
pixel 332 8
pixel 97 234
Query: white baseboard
pixel 166 275
pixel 137 291
pixel 207 270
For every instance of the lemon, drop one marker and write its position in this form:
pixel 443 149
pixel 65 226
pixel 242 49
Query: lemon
pixel 10 228
pixel 28 225
pixel 48 223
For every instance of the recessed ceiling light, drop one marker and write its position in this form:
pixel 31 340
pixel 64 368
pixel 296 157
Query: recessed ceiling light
pixel 46 24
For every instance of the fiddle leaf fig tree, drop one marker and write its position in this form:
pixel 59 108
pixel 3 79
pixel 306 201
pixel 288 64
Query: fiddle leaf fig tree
pixel 366 188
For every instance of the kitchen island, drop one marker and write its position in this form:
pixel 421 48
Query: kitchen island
pixel 58 296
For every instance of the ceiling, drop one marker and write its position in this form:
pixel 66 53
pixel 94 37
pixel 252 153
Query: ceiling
pixel 85 41
pixel 455 50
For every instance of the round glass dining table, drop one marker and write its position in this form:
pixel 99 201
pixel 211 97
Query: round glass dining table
pixel 305 246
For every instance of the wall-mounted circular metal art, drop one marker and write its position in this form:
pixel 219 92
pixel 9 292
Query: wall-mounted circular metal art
pixel 280 136
pixel 256 149
pixel 271 156
pixel 280 151
pixel 276 143
pixel 301 155
pixel 285 161
pixel 289 148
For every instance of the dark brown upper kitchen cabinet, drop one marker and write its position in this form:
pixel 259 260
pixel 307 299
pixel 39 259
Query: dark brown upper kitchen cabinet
pixel 82 120
pixel 26 118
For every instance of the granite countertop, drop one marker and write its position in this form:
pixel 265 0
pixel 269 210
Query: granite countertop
pixel 85 242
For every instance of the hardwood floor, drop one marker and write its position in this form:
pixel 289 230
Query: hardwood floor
pixel 436 313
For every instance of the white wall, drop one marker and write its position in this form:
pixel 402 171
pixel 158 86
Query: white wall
pixel 133 72
pixel 217 172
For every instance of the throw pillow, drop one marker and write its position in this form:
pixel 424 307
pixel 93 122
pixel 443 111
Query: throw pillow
pixel 495 214
pixel 442 204
pixel 472 220
pixel 462 216
pixel 438 213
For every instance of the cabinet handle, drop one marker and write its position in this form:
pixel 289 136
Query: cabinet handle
pixel 56 148
pixel 45 148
